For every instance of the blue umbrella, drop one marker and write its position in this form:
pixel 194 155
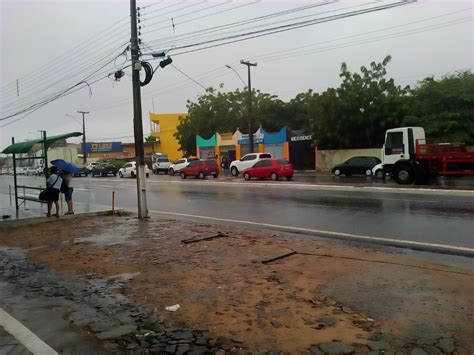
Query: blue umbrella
pixel 64 165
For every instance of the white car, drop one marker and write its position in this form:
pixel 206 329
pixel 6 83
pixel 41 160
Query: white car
pixel 130 170
pixel 247 161
pixel 30 171
pixel 179 164
pixel 161 164
pixel 92 165
pixel 377 171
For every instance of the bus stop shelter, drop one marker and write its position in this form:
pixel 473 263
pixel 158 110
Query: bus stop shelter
pixel 25 147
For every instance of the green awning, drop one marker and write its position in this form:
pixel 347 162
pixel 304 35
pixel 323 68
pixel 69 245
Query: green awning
pixel 25 147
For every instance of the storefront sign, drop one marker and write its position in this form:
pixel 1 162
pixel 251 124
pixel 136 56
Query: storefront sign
pixel 257 139
pixel 301 138
pixel 106 147
pixel 226 136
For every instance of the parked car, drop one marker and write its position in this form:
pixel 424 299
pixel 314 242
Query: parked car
pixel 39 171
pixel 81 170
pixel 104 169
pixel 21 171
pixel 91 165
pixel 356 166
pixel 30 171
pixel 200 169
pixel 270 168
pixel 161 163
pixel 247 161
pixel 180 164
pixel 130 170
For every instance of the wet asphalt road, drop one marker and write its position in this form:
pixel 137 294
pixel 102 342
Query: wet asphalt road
pixel 430 218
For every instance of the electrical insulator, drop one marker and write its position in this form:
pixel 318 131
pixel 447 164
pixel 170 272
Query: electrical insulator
pixel 166 62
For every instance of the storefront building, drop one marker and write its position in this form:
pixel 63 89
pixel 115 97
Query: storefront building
pixel 164 127
pixel 206 148
pixel 302 151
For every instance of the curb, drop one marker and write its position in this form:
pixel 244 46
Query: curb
pixel 24 336
pixel 384 241
pixel 13 223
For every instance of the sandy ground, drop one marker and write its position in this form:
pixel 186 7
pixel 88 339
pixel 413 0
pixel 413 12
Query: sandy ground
pixel 327 291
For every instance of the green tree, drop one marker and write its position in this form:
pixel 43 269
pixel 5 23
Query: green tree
pixel 444 108
pixel 357 113
pixel 217 111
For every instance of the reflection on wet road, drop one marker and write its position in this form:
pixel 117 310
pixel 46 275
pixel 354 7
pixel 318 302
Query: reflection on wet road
pixel 428 218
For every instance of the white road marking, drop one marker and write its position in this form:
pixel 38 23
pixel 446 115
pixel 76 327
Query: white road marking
pixel 398 242
pixel 21 333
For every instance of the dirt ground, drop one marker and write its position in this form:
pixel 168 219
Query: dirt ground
pixel 327 291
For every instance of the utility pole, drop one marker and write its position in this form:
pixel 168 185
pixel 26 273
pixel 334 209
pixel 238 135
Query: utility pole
pixel 84 153
pixel 249 107
pixel 137 113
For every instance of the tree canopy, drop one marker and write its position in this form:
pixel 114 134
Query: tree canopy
pixel 354 115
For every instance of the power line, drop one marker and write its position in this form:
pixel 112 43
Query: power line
pixel 284 28
pixel 219 28
pixel 77 48
pixel 68 76
pixel 190 78
pixel 203 16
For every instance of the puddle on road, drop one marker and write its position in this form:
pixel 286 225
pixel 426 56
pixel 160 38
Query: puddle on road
pixel 122 234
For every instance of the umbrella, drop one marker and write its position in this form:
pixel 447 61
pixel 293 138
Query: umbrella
pixel 64 165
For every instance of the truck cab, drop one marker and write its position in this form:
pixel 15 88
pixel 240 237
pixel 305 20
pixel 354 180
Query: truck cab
pixel 399 150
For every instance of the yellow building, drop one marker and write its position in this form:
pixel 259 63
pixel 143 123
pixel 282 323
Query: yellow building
pixel 163 127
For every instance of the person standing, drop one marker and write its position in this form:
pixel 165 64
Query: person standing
pixel 67 189
pixel 53 186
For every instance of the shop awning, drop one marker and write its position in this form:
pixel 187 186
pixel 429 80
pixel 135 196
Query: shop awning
pixel 25 147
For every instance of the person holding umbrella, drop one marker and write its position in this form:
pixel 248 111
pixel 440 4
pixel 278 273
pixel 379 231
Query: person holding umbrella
pixel 53 186
pixel 67 190
pixel 66 187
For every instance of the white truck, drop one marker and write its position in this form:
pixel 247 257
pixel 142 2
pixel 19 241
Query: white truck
pixel 410 158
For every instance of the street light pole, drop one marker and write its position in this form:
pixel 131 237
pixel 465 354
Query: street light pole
pixel 137 113
pixel 84 154
pixel 249 107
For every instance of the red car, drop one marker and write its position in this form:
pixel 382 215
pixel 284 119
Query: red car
pixel 200 169
pixel 270 168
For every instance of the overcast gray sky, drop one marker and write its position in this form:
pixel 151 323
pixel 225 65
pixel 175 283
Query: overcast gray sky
pixel 424 38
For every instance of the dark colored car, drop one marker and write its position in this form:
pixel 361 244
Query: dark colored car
pixel 200 169
pixel 270 168
pixel 81 171
pixel 356 166
pixel 104 169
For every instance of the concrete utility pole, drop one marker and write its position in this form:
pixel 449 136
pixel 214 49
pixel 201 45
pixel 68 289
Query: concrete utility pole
pixel 249 107
pixel 137 114
pixel 84 153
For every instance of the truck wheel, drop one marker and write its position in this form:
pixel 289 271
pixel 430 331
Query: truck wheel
pixel 404 174
pixel 171 171
pixel 234 171
pixel 120 174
